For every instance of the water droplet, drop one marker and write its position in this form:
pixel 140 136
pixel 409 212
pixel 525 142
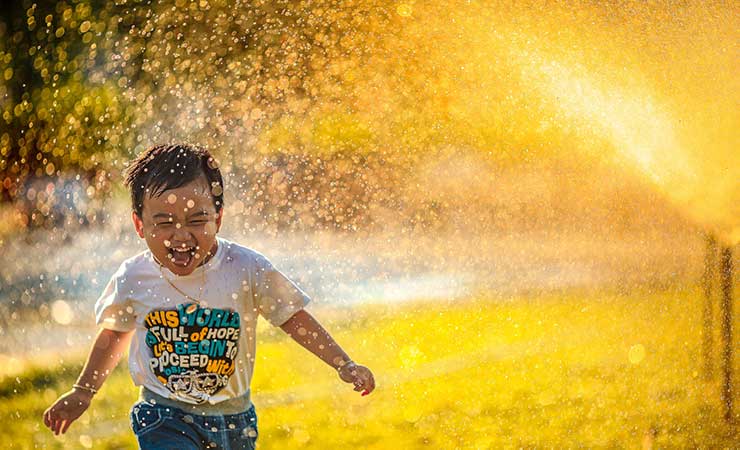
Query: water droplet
pixel 404 10
pixel 61 312
pixel 636 353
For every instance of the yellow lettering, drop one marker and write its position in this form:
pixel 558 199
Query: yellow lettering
pixel 153 318
pixel 173 319
pixel 220 366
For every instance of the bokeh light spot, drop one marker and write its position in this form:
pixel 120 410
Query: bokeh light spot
pixel 61 312
pixel 636 354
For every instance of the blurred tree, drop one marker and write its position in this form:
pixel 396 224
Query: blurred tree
pixel 58 113
pixel 87 84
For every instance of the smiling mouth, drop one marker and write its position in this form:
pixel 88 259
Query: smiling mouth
pixel 181 256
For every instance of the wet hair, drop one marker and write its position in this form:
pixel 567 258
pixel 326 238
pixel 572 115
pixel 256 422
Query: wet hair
pixel 170 166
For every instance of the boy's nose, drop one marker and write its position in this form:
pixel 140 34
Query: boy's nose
pixel 180 237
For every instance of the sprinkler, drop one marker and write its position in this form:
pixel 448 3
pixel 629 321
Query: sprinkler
pixel 708 310
pixel 726 319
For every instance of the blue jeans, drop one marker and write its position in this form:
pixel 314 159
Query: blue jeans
pixel 160 427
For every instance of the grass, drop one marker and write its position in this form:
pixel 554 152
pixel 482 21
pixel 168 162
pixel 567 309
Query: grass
pixel 553 371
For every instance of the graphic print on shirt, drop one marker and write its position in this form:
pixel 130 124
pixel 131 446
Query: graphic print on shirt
pixel 193 349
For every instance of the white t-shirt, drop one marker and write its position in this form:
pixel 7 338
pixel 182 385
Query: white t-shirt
pixel 190 353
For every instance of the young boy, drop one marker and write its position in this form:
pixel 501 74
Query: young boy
pixel 188 307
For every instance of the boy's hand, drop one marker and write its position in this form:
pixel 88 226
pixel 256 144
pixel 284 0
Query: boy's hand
pixel 66 410
pixel 359 375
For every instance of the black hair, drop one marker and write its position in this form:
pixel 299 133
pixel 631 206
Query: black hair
pixel 170 166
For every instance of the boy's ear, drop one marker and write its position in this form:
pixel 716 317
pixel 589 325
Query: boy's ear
pixel 218 220
pixel 138 224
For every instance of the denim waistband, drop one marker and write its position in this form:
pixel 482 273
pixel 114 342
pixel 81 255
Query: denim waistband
pixel 236 405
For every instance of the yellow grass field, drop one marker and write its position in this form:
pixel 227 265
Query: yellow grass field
pixel 571 370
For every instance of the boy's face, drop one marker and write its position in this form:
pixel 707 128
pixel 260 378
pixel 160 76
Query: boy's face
pixel 180 226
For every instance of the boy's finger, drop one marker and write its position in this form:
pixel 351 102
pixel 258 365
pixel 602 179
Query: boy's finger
pixel 46 418
pixel 369 386
pixel 58 426
pixel 67 423
pixel 367 380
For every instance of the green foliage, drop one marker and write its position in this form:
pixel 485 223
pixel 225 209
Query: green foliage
pixel 38 378
pixel 62 104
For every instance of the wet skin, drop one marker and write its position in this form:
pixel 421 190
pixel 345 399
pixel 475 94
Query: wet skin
pixel 180 226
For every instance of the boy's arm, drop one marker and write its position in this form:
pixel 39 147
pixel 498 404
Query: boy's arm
pixel 104 355
pixel 305 330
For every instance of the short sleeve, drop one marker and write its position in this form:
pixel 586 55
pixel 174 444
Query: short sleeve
pixel 277 297
pixel 113 309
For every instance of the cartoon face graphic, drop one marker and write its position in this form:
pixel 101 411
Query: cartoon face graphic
pixel 193 349
pixel 208 382
pixel 180 384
